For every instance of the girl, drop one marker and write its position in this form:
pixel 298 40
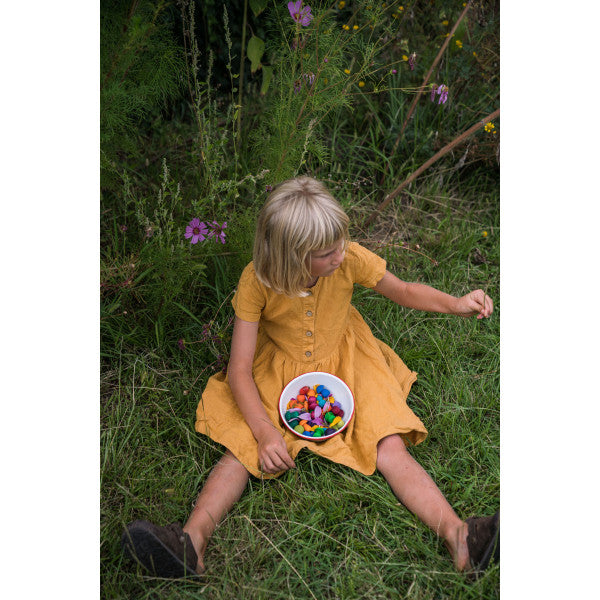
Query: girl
pixel 293 315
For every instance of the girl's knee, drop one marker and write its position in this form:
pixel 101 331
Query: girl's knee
pixel 231 463
pixel 394 441
pixel 390 447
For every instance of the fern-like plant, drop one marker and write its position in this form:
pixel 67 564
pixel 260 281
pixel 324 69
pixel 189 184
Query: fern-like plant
pixel 141 70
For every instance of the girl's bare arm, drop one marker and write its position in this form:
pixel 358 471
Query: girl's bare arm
pixel 424 297
pixel 272 450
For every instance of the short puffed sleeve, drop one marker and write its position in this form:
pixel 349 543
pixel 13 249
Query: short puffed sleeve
pixel 249 298
pixel 368 268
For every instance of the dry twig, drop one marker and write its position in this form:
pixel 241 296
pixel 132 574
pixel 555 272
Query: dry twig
pixel 463 136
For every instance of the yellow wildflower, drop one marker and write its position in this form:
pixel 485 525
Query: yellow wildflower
pixel 401 8
pixel 345 27
pixel 347 71
pixel 361 84
pixel 484 234
pixel 404 57
pixel 489 127
pixel 355 27
pixel 474 54
pixel 341 4
pixel 459 43
pixel 445 23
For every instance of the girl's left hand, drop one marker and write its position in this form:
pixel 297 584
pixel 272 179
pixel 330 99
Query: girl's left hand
pixel 474 303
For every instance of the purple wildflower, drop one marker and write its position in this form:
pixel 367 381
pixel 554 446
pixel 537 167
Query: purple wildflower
pixel 268 188
pixel 309 78
pixel 443 93
pixel 221 363
pixel 181 343
pixel 394 71
pixel 411 61
pixel 433 89
pixel 205 331
pixel 196 230
pixel 217 231
pixel 300 14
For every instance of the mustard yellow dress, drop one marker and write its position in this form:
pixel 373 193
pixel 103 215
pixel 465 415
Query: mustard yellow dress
pixel 319 332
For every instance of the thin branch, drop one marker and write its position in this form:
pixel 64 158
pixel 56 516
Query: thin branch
pixel 455 142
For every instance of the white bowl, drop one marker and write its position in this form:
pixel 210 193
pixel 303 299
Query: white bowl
pixel 339 390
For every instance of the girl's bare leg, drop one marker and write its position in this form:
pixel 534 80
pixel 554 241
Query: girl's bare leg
pixel 417 491
pixel 222 490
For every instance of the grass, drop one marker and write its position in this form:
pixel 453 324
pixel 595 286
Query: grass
pixel 322 530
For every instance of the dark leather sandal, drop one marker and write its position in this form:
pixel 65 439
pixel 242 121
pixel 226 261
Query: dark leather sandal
pixel 163 551
pixel 483 541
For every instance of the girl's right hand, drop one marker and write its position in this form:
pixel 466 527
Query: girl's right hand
pixel 273 456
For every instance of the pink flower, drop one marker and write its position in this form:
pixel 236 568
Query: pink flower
pixel 411 61
pixel 309 78
pixel 217 232
pixel 299 13
pixel 433 88
pixel 443 92
pixel 196 230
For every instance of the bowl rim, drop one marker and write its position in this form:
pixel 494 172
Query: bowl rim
pixel 324 437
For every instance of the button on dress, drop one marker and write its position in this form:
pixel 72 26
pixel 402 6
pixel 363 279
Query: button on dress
pixel 318 332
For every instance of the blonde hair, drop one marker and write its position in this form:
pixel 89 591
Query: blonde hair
pixel 299 217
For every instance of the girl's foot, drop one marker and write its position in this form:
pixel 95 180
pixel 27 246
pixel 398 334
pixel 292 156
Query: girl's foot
pixel 459 548
pixel 164 551
pixel 199 545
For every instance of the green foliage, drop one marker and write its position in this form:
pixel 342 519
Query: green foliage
pixel 353 64
pixel 256 48
pixel 258 6
pixel 308 87
pixel 141 70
